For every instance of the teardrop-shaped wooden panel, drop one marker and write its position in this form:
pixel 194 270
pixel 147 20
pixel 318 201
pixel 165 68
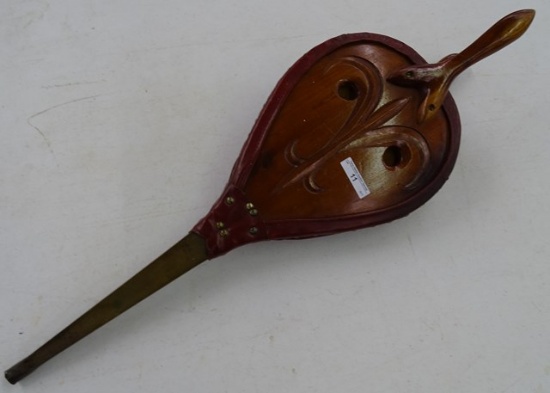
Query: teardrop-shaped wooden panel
pixel 338 147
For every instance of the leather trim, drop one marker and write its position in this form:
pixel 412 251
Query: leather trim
pixel 230 223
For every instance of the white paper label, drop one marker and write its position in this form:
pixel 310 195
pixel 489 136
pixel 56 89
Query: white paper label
pixel 355 178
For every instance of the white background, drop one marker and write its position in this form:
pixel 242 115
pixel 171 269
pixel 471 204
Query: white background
pixel 120 121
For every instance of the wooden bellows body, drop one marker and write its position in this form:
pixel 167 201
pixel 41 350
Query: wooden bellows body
pixel 360 131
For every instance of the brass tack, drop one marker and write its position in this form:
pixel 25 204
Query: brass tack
pixel 224 232
pixel 249 206
pixel 229 200
pixel 253 212
pixel 253 230
pixel 220 225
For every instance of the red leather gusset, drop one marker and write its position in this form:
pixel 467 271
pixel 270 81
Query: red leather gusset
pixel 232 222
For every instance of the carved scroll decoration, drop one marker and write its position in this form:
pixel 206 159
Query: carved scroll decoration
pixel 366 127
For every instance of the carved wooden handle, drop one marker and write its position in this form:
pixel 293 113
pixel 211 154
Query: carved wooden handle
pixel 436 78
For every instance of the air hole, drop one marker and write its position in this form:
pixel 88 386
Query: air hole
pixel 431 107
pixel 392 156
pixel 348 90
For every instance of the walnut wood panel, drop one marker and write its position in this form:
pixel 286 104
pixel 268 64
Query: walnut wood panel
pixel 343 107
